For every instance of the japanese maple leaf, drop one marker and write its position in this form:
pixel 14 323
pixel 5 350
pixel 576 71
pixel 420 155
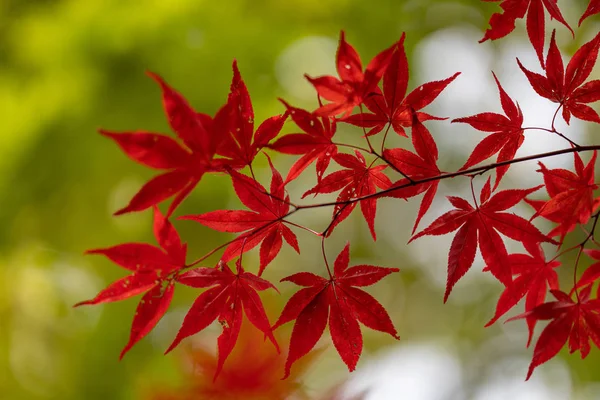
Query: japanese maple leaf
pixel 227 295
pixel 259 379
pixel 593 8
pixel 184 163
pixel 571 194
pixel 393 107
pixel 264 224
pixel 565 86
pixel 356 180
pixel 533 276
pixel 416 166
pixel 575 322
pixel 354 85
pixel 314 144
pixel 481 226
pixel 152 268
pixel 506 134
pixel 240 143
pixel 338 300
pixel 501 24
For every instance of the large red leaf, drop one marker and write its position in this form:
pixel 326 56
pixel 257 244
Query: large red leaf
pixel 480 226
pixel 565 86
pixel 229 296
pixel 354 85
pixel 392 107
pixel 506 134
pixel 153 272
pixel 503 23
pixel 577 322
pixel 263 225
pixel 340 303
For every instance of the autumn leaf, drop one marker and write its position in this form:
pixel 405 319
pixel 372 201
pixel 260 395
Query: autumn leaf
pixel 183 164
pixel 503 23
pixel 566 86
pixel 314 144
pixel 593 8
pixel 227 295
pixel 575 322
pixel 481 226
pixel 353 85
pixel 416 166
pixel 241 143
pixel 392 107
pixel 239 379
pixel 533 277
pixel 264 224
pixel 152 270
pixel 356 180
pixel 506 134
pixel 340 303
pixel 571 194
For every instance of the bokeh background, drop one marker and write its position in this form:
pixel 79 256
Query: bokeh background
pixel 69 67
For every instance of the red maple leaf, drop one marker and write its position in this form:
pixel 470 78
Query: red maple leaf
pixel 240 143
pixel 184 165
pixel 506 134
pixel 226 296
pixel 354 85
pixel 264 223
pixel 356 180
pixel 152 269
pixel 314 144
pixel 259 379
pixel 565 86
pixel 481 225
pixel 571 196
pixel 501 24
pixel 593 8
pixel 338 300
pixel 533 277
pixel 393 107
pixel 577 322
pixel 417 166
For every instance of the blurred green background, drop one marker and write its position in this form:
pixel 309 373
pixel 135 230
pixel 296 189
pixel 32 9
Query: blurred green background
pixel 69 67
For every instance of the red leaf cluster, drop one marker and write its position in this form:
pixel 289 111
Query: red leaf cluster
pixel 374 100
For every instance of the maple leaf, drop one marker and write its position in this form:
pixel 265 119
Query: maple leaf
pixel 226 296
pixel 356 180
pixel 592 273
pixel 533 276
pixel 393 107
pixel 565 86
pixel 152 269
pixel 339 301
pixel 264 223
pixel 480 226
pixel 354 85
pixel 315 143
pixel 506 134
pixel 239 378
pixel 240 143
pixel 571 196
pixel 577 322
pixel 593 8
pixel 417 166
pixel 501 24
pixel 186 163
